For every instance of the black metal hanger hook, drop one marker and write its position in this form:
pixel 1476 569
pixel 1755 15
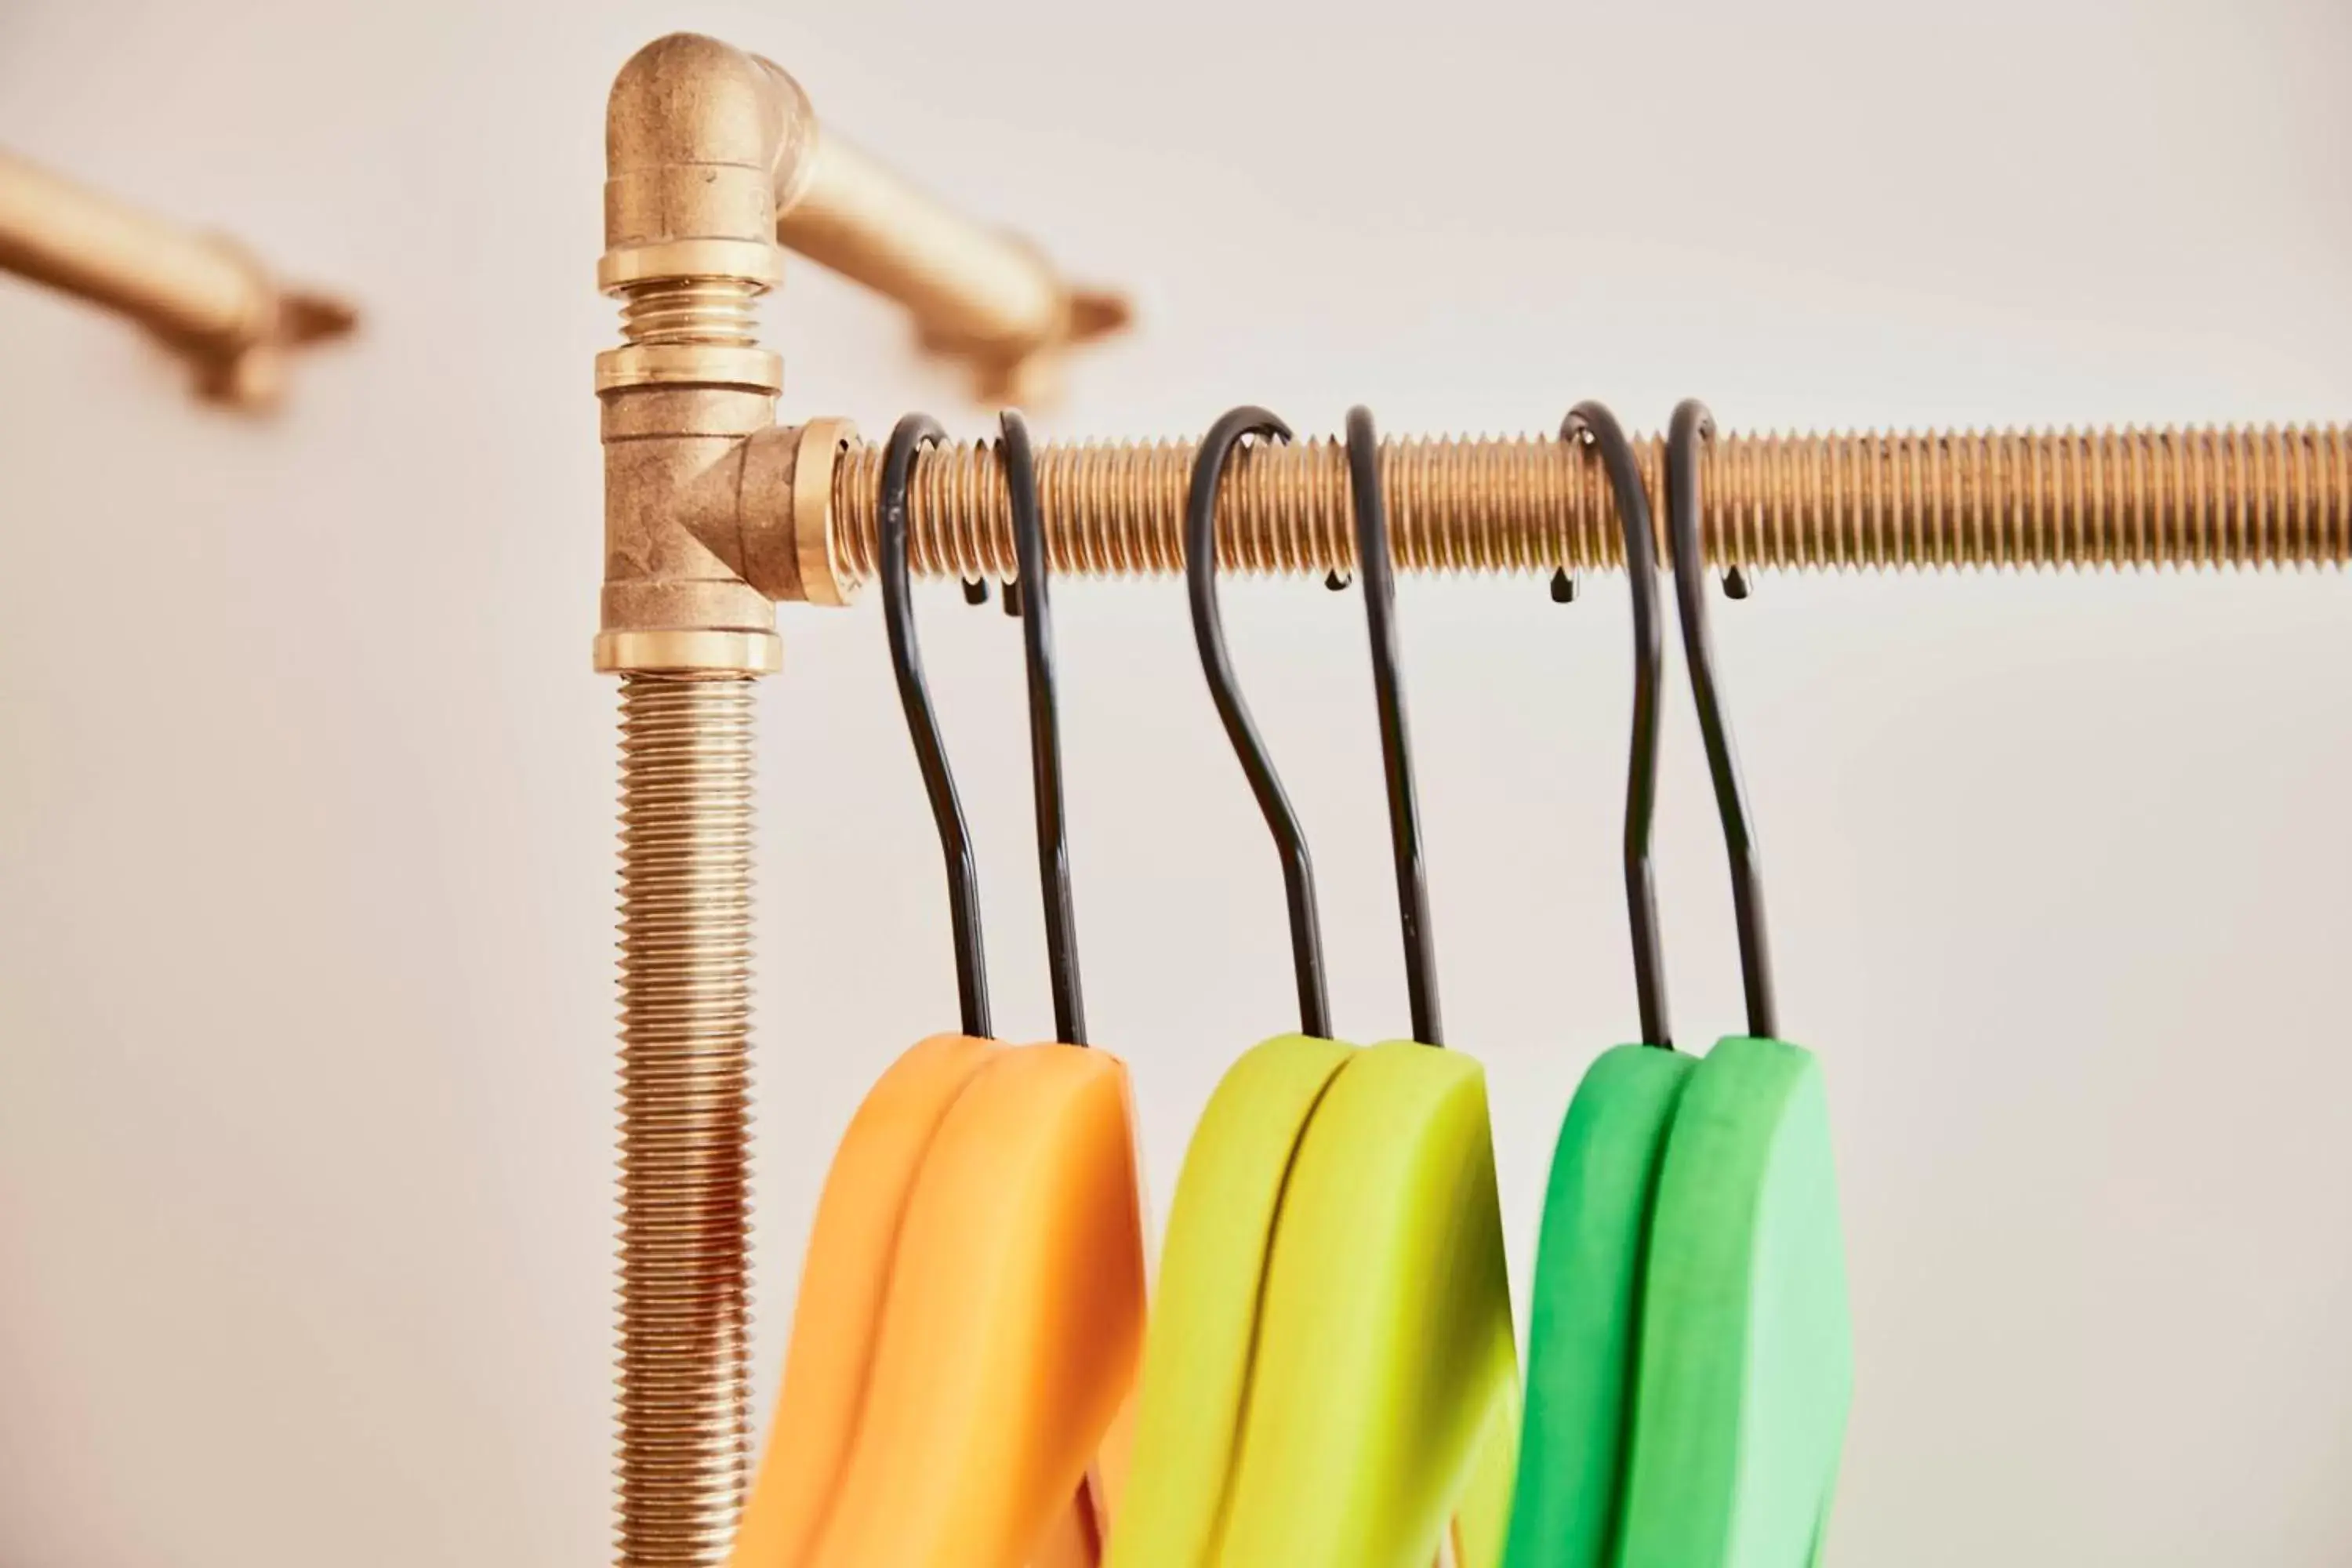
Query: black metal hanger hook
pixel 1044 725
pixel 1692 426
pixel 1593 422
pixel 1209 633
pixel 912 433
pixel 1377 571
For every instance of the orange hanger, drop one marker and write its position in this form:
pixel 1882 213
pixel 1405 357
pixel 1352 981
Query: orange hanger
pixel 971 1312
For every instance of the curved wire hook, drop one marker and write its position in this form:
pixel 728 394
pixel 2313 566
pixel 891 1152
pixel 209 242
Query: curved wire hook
pixel 1593 422
pixel 913 433
pixel 1377 571
pixel 1691 426
pixel 1045 727
pixel 1208 632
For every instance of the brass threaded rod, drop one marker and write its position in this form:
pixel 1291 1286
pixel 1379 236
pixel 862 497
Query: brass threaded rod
pixel 2170 496
pixel 685 959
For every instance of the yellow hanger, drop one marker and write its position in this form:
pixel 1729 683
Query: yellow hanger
pixel 971 1306
pixel 1330 1379
pixel 1205 1315
pixel 1386 1397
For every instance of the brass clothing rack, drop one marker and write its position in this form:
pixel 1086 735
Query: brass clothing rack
pixel 713 515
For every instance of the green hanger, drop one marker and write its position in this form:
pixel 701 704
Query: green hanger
pixel 1747 1356
pixel 1585 1307
pixel 1585 1310
pixel 1745 1367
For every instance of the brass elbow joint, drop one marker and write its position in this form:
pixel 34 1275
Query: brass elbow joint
pixel 699 138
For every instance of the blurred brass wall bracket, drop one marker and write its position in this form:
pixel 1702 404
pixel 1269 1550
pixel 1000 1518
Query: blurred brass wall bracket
pixel 205 297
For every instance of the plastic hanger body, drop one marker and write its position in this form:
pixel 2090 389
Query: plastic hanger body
pixel 845 1282
pixel 1331 1380
pixel 944 1410
pixel 1583 1329
pixel 1012 1327
pixel 1384 1414
pixel 1747 1360
pixel 1199 1356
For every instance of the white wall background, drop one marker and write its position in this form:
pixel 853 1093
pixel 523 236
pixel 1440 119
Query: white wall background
pixel 305 810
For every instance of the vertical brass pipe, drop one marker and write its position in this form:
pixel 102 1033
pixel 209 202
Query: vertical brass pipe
pixel 695 131
pixel 202 295
pixel 685 1007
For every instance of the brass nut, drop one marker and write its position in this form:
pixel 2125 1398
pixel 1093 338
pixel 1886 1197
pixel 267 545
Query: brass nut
pixel 705 652
pixel 756 261
pixel 823 579
pixel 688 364
pixel 657 411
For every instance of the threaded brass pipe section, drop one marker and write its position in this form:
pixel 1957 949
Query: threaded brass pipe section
pixel 2108 497
pixel 691 311
pixel 686 960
